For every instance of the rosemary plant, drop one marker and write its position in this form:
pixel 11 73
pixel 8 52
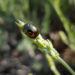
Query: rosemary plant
pixel 45 46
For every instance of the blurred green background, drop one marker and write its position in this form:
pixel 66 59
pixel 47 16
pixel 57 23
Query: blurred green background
pixel 55 20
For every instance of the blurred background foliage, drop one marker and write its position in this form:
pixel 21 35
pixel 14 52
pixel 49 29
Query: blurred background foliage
pixel 40 13
pixel 55 20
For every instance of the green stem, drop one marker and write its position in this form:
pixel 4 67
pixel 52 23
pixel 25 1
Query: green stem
pixel 52 64
pixel 47 48
pixel 66 65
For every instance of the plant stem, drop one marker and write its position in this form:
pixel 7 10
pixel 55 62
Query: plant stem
pixel 46 47
pixel 52 64
pixel 66 65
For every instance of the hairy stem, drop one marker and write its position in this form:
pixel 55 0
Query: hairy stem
pixel 52 64
pixel 66 65
pixel 46 47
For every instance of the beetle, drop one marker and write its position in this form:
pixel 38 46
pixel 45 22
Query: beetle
pixel 30 30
